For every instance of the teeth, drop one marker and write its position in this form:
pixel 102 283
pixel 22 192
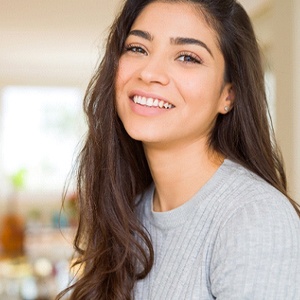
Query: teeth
pixel 144 101
pixel 150 102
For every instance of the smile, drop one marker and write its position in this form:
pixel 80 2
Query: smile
pixel 150 102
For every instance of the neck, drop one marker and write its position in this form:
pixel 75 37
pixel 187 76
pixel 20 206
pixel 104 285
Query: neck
pixel 178 173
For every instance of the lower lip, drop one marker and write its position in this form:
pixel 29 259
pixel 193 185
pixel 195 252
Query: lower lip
pixel 147 111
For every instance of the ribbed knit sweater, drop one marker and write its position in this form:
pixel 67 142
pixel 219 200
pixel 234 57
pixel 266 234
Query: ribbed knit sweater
pixel 236 238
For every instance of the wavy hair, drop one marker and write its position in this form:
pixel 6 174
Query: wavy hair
pixel 113 249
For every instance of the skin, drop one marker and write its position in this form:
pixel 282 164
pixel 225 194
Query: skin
pixel 172 54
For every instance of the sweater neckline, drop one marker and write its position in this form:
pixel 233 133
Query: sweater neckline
pixel 177 216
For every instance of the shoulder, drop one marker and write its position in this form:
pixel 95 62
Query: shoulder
pixel 243 180
pixel 257 219
pixel 245 193
pixel 253 210
pixel 259 237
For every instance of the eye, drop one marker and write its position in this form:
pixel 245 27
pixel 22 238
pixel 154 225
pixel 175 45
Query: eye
pixel 189 58
pixel 135 49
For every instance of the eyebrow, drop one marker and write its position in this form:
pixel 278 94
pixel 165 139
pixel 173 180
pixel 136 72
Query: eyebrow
pixel 175 41
pixel 190 41
pixel 143 34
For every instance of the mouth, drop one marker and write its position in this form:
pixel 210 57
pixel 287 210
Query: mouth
pixel 152 102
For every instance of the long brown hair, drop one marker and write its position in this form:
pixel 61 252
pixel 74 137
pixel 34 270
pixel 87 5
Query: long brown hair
pixel 112 247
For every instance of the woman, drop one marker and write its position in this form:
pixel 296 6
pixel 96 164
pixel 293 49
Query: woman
pixel 182 189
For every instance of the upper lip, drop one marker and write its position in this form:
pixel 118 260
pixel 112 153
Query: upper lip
pixel 148 95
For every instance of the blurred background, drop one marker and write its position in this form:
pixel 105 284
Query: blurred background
pixel 48 53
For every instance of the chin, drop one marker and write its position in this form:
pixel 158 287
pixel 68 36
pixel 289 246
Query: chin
pixel 143 136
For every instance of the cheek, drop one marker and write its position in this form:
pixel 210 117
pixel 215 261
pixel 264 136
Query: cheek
pixel 200 89
pixel 120 87
pixel 124 72
pixel 119 80
pixel 192 88
pixel 192 80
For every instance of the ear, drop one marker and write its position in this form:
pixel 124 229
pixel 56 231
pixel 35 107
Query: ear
pixel 227 99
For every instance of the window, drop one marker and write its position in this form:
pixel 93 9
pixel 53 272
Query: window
pixel 40 128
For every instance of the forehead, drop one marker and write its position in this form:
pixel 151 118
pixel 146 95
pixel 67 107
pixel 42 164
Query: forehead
pixel 176 19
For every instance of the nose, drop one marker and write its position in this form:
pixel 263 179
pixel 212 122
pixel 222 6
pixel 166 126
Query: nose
pixel 154 71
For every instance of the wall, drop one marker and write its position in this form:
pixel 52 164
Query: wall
pixel 285 60
pixel 278 29
pixel 296 97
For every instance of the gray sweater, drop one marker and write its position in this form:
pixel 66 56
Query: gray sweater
pixel 237 238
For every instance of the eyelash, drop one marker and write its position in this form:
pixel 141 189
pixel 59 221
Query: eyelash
pixel 192 58
pixel 135 49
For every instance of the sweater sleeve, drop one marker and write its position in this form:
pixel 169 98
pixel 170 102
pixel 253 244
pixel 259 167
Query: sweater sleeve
pixel 257 253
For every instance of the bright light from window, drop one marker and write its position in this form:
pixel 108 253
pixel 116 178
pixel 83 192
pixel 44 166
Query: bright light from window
pixel 41 128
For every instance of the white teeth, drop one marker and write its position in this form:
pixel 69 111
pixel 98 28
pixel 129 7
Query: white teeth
pixel 150 102
pixel 144 101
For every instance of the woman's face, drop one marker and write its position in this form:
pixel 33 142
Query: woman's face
pixel 169 84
